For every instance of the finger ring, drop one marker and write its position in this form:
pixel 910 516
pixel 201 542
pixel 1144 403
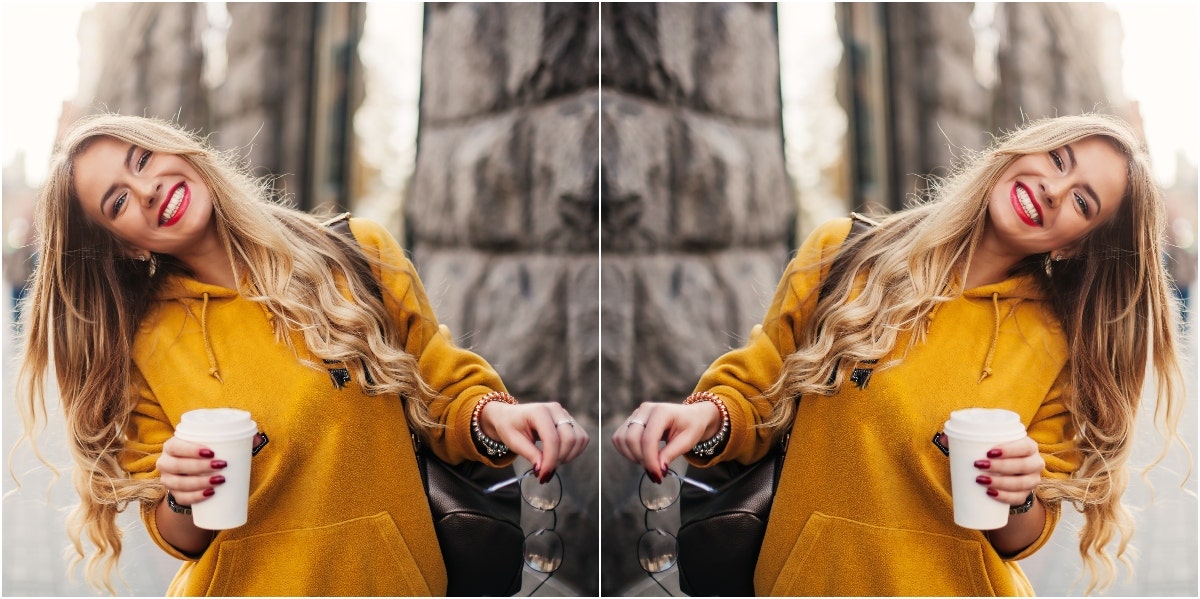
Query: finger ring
pixel 570 421
pixel 633 421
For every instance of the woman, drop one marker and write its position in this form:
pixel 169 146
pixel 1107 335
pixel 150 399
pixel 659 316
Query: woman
pixel 1030 282
pixel 169 281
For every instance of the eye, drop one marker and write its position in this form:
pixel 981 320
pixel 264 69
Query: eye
pixel 143 160
pixel 1057 161
pixel 117 203
pixel 1083 205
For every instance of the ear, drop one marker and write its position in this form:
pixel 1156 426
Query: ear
pixel 1065 253
pixel 134 253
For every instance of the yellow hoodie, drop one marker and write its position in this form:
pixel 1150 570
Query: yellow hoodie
pixel 336 501
pixel 863 505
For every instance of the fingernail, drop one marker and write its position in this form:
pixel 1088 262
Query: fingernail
pixel 983 464
pixel 983 480
pixel 657 478
pixel 537 468
pixel 995 453
pixel 216 480
pixel 206 453
pixel 209 492
pixel 218 464
pixel 992 492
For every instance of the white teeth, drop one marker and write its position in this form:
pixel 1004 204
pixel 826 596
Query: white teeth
pixel 172 205
pixel 1027 205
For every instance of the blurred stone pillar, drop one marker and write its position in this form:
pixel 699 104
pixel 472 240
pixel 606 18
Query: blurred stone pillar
pixel 697 215
pixel 501 216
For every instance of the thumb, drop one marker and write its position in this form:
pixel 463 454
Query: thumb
pixel 521 443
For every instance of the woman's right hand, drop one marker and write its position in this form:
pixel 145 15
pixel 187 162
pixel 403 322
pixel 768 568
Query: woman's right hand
pixel 189 471
pixel 681 426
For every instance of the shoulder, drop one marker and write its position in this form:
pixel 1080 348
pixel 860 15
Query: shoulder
pixel 370 233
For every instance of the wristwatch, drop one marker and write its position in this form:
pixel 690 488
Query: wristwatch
pixel 186 510
pixel 1024 507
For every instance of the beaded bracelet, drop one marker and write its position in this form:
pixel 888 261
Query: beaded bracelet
pixel 493 447
pixel 186 510
pixel 709 447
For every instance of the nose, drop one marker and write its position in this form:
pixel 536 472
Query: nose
pixel 146 190
pixel 1052 190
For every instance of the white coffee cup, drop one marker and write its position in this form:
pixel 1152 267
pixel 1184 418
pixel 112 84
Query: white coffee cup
pixel 973 432
pixel 229 433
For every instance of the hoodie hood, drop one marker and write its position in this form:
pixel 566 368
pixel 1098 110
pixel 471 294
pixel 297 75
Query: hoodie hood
pixel 195 297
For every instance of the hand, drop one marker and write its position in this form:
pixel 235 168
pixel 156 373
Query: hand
pixel 520 426
pixel 1011 471
pixel 682 427
pixel 189 471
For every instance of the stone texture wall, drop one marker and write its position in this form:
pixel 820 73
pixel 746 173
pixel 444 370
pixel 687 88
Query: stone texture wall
pixel 262 108
pixel 502 215
pixel 157 73
pixel 697 216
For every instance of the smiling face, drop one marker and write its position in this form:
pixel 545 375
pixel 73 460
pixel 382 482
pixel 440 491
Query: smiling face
pixel 1048 202
pixel 152 202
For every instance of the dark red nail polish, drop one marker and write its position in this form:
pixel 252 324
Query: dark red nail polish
pixel 209 492
pixel 992 492
pixel 219 464
pixel 216 480
pixel 983 464
pixel 206 453
pixel 995 453
pixel 983 480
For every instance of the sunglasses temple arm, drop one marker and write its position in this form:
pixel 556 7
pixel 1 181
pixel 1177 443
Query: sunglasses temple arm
pixel 697 484
pixel 506 482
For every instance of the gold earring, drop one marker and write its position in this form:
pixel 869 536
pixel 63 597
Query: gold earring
pixel 1058 257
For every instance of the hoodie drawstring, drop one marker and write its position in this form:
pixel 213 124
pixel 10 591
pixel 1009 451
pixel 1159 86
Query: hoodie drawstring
pixel 212 358
pixel 987 362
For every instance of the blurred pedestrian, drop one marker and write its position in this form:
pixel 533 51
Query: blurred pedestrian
pixel 19 260
pixel 170 280
pixel 1031 282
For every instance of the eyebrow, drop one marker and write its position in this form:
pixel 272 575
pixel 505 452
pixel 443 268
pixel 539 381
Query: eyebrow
pixel 112 188
pixel 1086 187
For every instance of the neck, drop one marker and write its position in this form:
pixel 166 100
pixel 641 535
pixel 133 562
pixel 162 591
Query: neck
pixel 208 261
pixel 990 264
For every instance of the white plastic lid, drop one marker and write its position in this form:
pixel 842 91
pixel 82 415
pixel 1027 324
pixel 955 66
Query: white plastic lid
pixel 984 424
pixel 215 424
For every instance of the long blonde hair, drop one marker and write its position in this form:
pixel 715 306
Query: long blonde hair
pixel 1112 300
pixel 88 298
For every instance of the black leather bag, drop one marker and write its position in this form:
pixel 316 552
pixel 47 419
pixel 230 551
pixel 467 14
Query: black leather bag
pixel 721 535
pixel 480 535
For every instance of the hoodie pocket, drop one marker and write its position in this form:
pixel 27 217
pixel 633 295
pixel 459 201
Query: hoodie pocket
pixel 363 556
pixel 835 556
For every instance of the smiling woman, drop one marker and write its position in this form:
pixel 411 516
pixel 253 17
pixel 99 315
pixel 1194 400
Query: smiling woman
pixel 172 281
pixel 1031 281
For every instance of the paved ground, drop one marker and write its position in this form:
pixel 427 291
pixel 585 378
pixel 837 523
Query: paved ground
pixel 34 513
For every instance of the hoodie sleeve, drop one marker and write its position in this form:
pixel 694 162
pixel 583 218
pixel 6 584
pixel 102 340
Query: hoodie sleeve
pixel 1054 433
pixel 459 376
pixel 742 375
pixel 147 431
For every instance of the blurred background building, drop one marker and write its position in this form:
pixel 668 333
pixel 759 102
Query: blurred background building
pixel 729 131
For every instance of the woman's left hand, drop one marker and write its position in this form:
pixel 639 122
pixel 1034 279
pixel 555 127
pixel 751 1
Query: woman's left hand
pixel 519 426
pixel 1011 471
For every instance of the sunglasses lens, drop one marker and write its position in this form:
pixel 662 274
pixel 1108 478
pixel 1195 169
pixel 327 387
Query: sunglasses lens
pixel 657 551
pixel 658 496
pixel 543 551
pixel 542 496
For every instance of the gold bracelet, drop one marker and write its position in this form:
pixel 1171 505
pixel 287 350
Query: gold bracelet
pixel 493 447
pixel 709 447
